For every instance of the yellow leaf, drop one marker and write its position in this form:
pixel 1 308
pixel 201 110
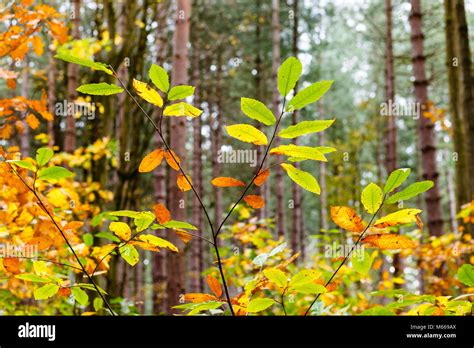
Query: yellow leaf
pixel 347 219
pixel 159 242
pixel 197 298
pixel 247 133
pixel 121 229
pixel 214 285
pixel 148 93
pixel 388 241
pixel 162 214
pixel 151 161
pixel 32 121
pixel 182 183
pixel 223 181
pixel 182 109
pixel 38 45
pixel 400 217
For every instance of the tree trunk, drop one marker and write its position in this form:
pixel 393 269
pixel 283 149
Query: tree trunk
pixel 72 72
pixel 425 126
pixel 175 261
pixel 466 88
pixel 280 192
pixel 297 199
pixel 51 96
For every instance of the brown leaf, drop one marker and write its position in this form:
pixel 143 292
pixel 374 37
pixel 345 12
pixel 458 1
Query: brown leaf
pixel 182 183
pixel 151 161
pixel 388 241
pixel 162 214
pixel 214 285
pixel 12 264
pixel 255 201
pixel 347 219
pixel 262 177
pixel 171 158
pixel 224 181
pixel 419 223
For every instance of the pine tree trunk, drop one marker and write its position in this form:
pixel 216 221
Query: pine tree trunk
pixel 72 71
pixel 280 192
pixel 175 261
pixel 466 87
pixel 425 126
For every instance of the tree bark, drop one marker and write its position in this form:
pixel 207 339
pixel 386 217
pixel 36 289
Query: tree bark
pixel 72 71
pixel 51 96
pixel 425 126
pixel 175 261
pixel 280 192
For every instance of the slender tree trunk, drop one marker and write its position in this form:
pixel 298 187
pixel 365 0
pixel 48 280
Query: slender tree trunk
pixel 159 175
pixel 466 87
pixel 175 261
pixel 217 168
pixel 51 96
pixel 297 198
pixel 425 126
pixel 459 126
pixel 280 192
pixel 72 72
pixel 196 246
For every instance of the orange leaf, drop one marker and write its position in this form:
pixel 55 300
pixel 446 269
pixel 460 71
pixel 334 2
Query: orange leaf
pixel 388 241
pixel 73 225
pixel 183 235
pixel 162 214
pixel 171 158
pixel 182 183
pixel 262 177
pixel 214 285
pixel 38 45
pixel 223 181
pixel 12 264
pixel 347 219
pixel 197 298
pixel 64 292
pixel 151 161
pixel 11 83
pixel 42 242
pixel 255 201
pixel 32 121
pixel 419 223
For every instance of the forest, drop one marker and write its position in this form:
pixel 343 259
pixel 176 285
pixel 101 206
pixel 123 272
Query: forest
pixel 236 157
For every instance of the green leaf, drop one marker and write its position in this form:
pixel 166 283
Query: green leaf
pixel 180 92
pixel 288 74
pixel 199 307
pixel 300 152
pixel 46 291
pixel 303 277
pixel 377 310
pixel 91 287
pixel 309 95
pixel 159 77
pixel 305 127
pixel 182 109
pixel 88 239
pixel 23 164
pixel 80 295
pixel 276 276
pixel 175 225
pixel 84 62
pixel 466 274
pixel 411 191
pixel 157 241
pixel 362 263
pixel 257 111
pixel 40 267
pixel 259 304
pixel 43 155
pixel 143 220
pixel 32 278
pixel 101 88
pixel 395 179
pixel 98 303
pixel 130 254
pixel 108 235
pixel 371 198
pixel 125 213
pixel 247 133
pixel 302 178
pixel 309 288
pixel 54 173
